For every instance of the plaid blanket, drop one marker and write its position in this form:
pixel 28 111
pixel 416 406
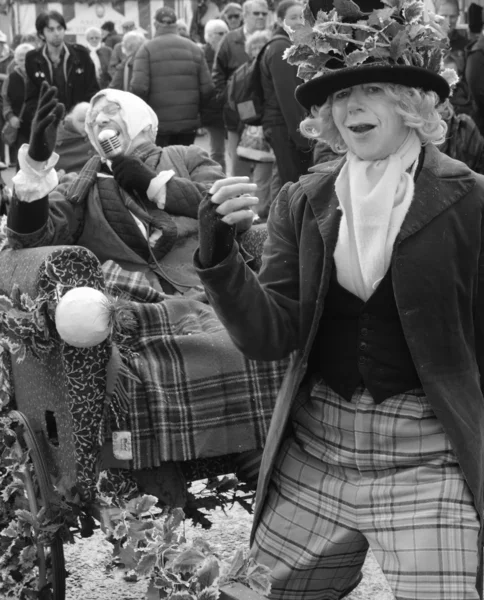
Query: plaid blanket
pixel 192 394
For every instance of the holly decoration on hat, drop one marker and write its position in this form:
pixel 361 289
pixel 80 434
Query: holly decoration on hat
pixel 403 32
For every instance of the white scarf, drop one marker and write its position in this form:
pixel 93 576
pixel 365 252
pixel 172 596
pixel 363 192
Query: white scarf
pixel 374 197
pixel 95 59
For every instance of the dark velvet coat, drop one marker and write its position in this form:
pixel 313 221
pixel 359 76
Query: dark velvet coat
pixel 438 280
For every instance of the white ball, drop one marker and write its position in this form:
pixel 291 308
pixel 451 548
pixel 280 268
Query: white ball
pixel 82 317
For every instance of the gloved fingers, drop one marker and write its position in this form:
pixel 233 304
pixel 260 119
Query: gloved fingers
pixel 47 94
pixel 59 112
pixel 233 190
pixel 46 121
pixel 45 109
pixel 243 202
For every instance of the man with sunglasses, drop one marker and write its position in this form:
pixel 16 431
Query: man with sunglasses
pixel 231 54
pixel 170 74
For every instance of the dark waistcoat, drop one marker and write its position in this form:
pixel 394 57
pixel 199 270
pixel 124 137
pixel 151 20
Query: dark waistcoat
pixel 362 343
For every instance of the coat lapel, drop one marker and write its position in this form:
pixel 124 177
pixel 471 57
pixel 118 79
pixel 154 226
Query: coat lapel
pixel 440 183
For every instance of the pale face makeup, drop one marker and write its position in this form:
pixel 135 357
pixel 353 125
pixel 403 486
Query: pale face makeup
pixel 367 121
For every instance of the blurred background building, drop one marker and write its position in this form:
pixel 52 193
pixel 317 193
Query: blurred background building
pixel 18 16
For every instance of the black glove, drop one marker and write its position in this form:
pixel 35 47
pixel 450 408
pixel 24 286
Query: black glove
pixel 132 174
pixel 48 115
pixel 215 238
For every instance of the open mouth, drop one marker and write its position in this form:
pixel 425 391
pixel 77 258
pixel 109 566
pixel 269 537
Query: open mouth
pixel 362 128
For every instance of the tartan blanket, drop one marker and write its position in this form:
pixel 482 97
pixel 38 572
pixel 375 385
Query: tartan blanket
pixel 191 393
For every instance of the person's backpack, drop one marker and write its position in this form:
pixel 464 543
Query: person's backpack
pixel 244 89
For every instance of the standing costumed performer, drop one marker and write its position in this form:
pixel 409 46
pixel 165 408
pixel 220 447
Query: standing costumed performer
pixel 372 279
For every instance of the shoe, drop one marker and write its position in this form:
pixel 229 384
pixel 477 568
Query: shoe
pixel 3 166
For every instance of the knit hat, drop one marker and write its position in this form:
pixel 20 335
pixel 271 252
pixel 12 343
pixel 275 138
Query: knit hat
pixel 165 13
pixel 342 44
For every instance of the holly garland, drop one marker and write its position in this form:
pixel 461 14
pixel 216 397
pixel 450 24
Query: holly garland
pixel 402 33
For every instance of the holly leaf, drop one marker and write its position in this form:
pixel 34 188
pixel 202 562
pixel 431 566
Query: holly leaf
pixel 139 506
pixel 398 45
pixel 208 572
pixel 302 34
pixel 209 593
pixel 395 4
pixel 413 11
pixel 129 557
pixel 357 57
pixel 347 9
pixel 258 578
pixel 187 561
pixel 380 16
pixel 146 565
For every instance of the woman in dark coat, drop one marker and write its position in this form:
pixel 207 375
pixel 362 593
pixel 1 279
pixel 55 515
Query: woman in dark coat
pixel 372 281
pixel 13 93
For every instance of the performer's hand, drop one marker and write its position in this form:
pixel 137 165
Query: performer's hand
pixel 235 197
pixel 132 174
pixel 48 115
pixel 219 215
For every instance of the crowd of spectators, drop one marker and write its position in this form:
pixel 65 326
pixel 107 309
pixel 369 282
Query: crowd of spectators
pixel 182 72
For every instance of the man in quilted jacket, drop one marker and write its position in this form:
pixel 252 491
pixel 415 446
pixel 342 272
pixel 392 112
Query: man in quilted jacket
pixel 170 73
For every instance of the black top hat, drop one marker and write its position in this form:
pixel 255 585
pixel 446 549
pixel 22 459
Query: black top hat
pixel 343 44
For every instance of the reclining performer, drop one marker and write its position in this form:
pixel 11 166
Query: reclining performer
pixel 132 203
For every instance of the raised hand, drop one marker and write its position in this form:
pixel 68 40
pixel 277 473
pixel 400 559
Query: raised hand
pixel 48 115
pixel 220 213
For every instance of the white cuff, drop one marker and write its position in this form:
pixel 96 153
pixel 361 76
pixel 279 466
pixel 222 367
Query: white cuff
pixel 34 179
pixel 156 191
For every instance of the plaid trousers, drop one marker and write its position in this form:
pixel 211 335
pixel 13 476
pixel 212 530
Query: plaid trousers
pixel 355 475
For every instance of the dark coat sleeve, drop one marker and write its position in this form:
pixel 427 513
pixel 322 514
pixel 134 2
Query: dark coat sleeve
pixel 90 80
pixel 260 312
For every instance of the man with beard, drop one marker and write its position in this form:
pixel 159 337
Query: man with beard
pixel 67 66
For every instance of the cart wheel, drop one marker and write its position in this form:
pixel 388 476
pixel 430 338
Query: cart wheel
pixel 39 491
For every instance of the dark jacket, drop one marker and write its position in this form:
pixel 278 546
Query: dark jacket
pixel 122 74
pixel 464 142
pixel 170 73
pixel 473 74
pixel 279 80
pixel 112 39
pixel 79 72
pixel 230 55
pixel 104 54
pixel 438 281
pixel 13 93
pixel 117 57
pixel 212 112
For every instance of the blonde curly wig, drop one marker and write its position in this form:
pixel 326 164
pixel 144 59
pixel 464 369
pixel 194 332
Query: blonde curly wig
pixel 418 109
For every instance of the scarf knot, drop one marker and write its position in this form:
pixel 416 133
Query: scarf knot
pixel 374 197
